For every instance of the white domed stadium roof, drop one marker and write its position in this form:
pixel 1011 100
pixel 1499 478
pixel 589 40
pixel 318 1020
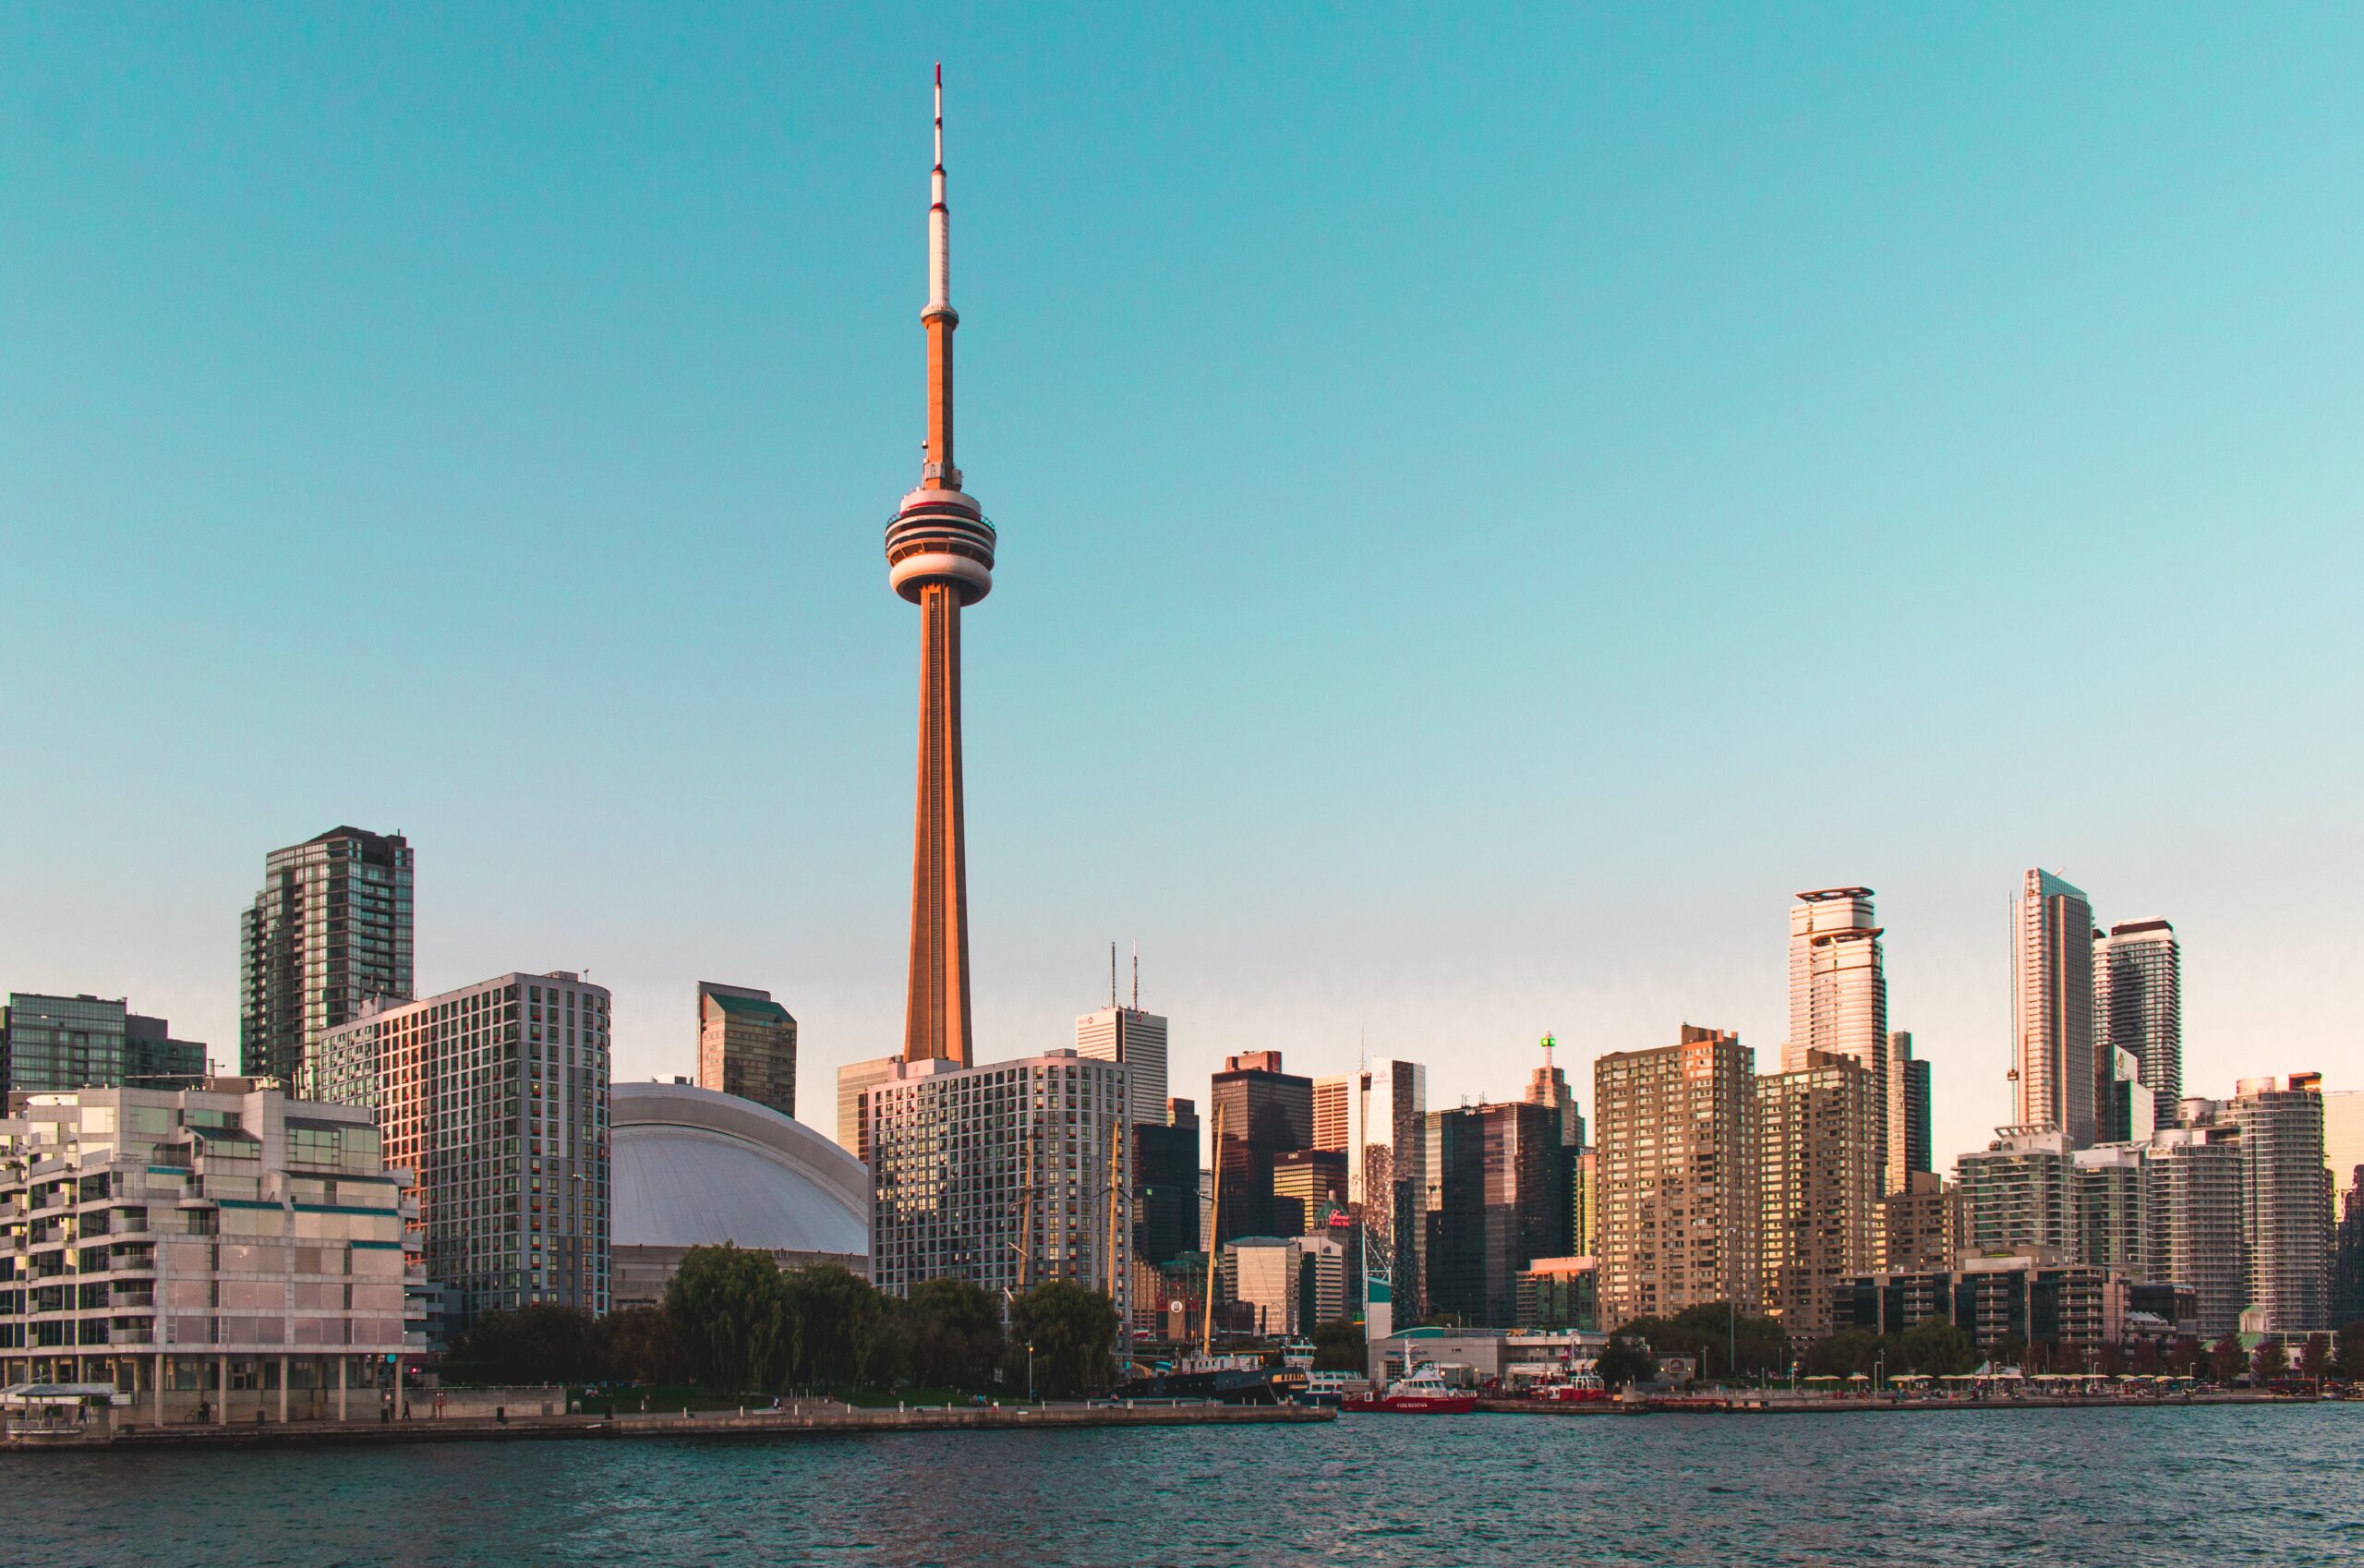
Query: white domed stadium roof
pixel 691 1167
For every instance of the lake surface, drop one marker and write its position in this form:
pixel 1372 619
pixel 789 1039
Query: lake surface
pixel 2139 1488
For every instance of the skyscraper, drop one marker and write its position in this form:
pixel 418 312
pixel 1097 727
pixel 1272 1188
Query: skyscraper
pixel 2192 1187
pixel 1818 1185
pixel 1676 1201
pixel 1493 1200
pixel 54 1044
pixel 1920 1147
pixel 1386 1161
pixel 746 1046
pixel 855 1081
pixel 2019 1193
pixel 2285 1200
pixel 1166 1185
pixel 2138 1008
pixel 1333 1111
pixel 329 931
pixel 1839 1003
pixel 2053 1077
pixel 1137 1039
pixel 1547 1087
pixel 1262 1112
pixel 940 557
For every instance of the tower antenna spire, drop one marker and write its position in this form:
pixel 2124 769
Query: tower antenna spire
pixel 1112 974
pixel 1136 975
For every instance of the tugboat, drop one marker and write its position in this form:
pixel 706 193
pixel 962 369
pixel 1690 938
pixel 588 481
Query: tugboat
pixel 1580 1388
pixel 1228 1380
pixel 1425 1392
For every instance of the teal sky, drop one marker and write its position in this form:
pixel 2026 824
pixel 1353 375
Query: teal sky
pixel 1493 501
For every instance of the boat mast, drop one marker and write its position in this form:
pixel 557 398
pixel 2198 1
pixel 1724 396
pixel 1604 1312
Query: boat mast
pixel 1214 1201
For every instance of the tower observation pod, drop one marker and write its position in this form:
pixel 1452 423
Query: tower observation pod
pixel 940 557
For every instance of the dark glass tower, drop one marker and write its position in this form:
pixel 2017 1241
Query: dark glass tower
pixel 329 931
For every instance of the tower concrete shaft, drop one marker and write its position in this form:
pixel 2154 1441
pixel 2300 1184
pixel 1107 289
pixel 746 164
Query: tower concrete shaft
pixel 939 556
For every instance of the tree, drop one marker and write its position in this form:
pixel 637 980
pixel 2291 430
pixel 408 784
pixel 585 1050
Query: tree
pixel 2351 1350
pixel 1842 1354
pixel 1623 1362
pixel 2225 1359
pixel 2147 1358
pixel 2314 1357
pixel 732 1307
pixel 836 1326
pixel 2186 1357
pixel 2270 1363
pixel 955 1334
pixel 1068 1332
pixel 1936 1347
pixel 639 1345
pixel 1338 1346
pixel 543 1344
pixel 1711 1333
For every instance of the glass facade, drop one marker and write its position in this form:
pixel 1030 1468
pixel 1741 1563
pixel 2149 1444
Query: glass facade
pixel 51 1043
pixel 2138 1008
pixel 746 1047
pixel 1263 1112
pixel 329 932
pixel 1494 1200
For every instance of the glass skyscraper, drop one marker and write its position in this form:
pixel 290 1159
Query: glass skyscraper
pixel 2053 1078
pixel 2137 1007
pixel 329 931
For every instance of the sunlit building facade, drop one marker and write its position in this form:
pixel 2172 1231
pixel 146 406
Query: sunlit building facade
pixel 746 1046
pixel 2053 1072
pixel 1839 1003
pixel 1676 1191
pixel 329 932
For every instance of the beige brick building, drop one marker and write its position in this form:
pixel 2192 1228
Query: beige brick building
pixel 1675 1188
pixel 1818 1173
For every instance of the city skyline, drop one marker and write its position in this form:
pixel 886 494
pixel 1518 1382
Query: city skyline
pixel 529 462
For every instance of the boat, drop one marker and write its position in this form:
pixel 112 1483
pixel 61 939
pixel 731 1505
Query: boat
pixel 1425 1392
pixel 1227 1380
pixel 1580 1388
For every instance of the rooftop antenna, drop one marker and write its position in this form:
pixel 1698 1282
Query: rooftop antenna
pixel 1112 974
pixel 1137 974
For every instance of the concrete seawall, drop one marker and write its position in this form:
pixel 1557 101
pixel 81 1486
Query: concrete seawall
pixel 1779 1405
pixel 810 1418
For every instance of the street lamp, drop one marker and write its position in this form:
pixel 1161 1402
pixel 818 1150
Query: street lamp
pixel 1029 1371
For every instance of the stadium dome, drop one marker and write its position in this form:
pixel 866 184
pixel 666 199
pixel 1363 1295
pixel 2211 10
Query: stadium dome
pixel 691 1167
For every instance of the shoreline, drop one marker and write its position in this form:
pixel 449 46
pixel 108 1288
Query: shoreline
pixel 1761 1405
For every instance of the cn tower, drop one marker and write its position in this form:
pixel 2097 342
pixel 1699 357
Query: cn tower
pixel 939 556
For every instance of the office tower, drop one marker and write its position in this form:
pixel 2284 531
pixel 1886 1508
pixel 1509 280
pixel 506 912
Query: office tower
pixel 1677 1190
pixel 2342 1136
pixel 1166 1185
pixel 197 1243
pixel 1920 1148
pixel 51 1043
pixel 1333 1111
pixel 1261 1112
pixel 2126 1114
pixel 1287 1285
pixel 2285 1200
pixel 746 1046
pixel 1839 1003
pixel 1818 1185
pixel 855 1081
pixel 2347 1254
pixel 1923 1227
pixel 940 557
pixel 2192 1187
pixel 1386 1161
pixel 1493 1200
pixel 1585 1201
pixel 2019 1194
pixel 1005 1174
pixel 1137 1040
pixel 1306 1182
pixel 496 1094
pixel 2112 1208
pixel 1547 1086
pixel 2137 1007
pixel 2052 1008
pixel 329 931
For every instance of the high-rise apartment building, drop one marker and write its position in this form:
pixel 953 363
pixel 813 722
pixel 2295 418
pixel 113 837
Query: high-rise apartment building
pixel 2111 1207
pixel 329 931
pixel 2285 1200
pixel 1677 1191
pixel 2138 1008
pixel 53 1044
pixel 855 1080
pixel 1923 1227
pixel 1166 1185
pixel 1818 1185
pixel 496 1094
pixel 1333 1111
pixel 1005 1174
pixel 746 1046
pixel 1839 1003
pixel 1920 1148
pixel 1137 1039
pixel 2018 1193
pixel 1494 1199
pixel 2053 1072
pixel 1261 1112
pixel 2128 1111
pixel 2192 1187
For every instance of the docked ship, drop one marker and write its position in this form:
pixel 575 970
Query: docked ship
pixel 1227 1380
pixel 1425 1392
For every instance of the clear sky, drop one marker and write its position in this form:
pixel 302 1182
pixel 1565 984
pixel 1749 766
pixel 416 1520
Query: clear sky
pixel 1493 501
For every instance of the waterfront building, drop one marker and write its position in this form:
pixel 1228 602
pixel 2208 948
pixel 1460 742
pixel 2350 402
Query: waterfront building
pixel 855 1081
pixel 1307 1185
pixel 51 1043
pixel 746 1046
pixel 1509 1357
pixel 2025 1298
pixel 1677 1193
pixel 1559 1293
pixel 220 1243
pixel 1920 1147
pixel 2137 1007
pixel 2110 1201
pixel 329 932
pixel 2018 1192
pixel 1493 1200
pixel 1333 1111
pixel 2192 1188
pixel 1005 1174
pixel 2053 1070
pixel 1166 1185
pixel 1263 1113
pixel 1923 1227
pixel 1839 1003
pixel 2285 1200
pixel 496 1094
pixel 1818 1181
pixel 692 1166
